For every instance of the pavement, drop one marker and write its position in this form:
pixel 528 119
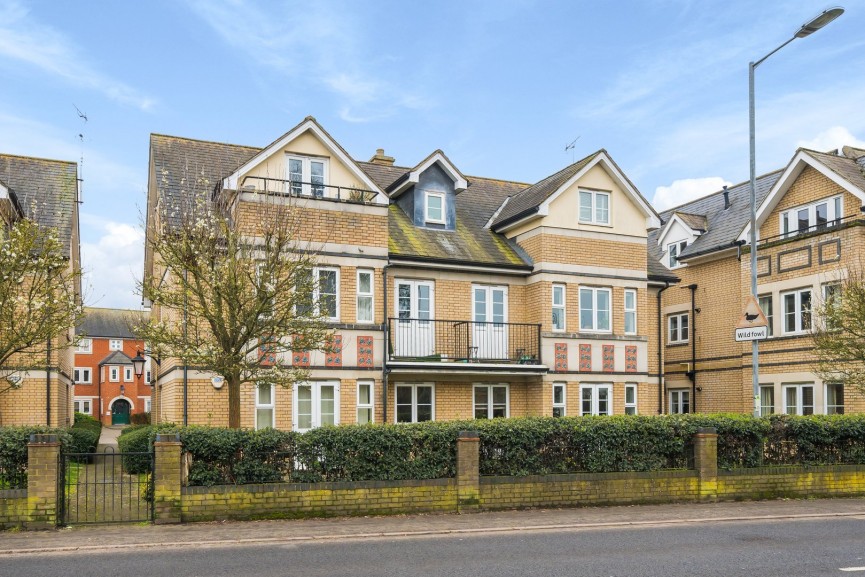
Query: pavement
pixel 108 439
pixel 108 538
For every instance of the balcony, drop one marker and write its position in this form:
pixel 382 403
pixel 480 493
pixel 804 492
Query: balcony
pixel 318 190
pixel 464 346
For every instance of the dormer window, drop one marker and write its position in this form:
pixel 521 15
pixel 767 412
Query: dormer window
pixel 674 250
pixel 816 216
pixel 306 175
pixel 434 208
pixel 594 207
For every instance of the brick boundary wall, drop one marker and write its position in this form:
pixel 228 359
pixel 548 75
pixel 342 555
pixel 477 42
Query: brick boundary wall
pixel 36 507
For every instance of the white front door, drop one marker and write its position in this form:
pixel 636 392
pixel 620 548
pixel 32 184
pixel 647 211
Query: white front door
pixel 415 333
pixel 489 331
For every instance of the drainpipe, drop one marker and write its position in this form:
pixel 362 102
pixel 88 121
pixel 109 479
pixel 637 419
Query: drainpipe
pixel 185 340
pixel 99 389
pixel 384 367
pixel 662 386
pixel 48 384
pixel 692 374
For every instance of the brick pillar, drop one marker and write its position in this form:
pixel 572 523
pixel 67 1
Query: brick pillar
pixel 468 473
pixel 43 458
pixel 167 477
pixel 706 462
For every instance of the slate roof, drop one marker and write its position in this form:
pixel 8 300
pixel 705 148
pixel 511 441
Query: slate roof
pixel 528 200
pixel 108 323
pixel 723 225
pixel 184 167
pixel 694 221
pixel 470 243
pixel 46 191
pixel 846 168
pixel 116 358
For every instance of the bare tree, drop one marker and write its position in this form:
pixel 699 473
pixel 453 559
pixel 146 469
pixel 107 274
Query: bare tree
pixel 839 331
pixel 39 298
pixel 233 297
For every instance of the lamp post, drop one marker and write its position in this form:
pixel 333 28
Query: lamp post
pixel 139 360
pixel 807 29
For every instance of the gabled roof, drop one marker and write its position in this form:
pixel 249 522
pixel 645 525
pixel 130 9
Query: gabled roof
pixel 412 176
pixel 108 323
pixel 46 192
pixel 536 199
pixel 843 171
pixel 697 224
pixel 116 358
pixel 471 243
pixel 723 226
pixel 309 124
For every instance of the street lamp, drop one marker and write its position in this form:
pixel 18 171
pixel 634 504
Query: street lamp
pixel 139 360
pixel 807 29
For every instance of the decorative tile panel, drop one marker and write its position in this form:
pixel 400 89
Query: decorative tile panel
pixel 630 359
pixel 585 357
pixel 561 357
pixel 609 358
pixel 364 351
pixel 333 356
pixel 267 352
pixel 300 358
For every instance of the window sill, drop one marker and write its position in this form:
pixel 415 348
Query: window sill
pixel 679 344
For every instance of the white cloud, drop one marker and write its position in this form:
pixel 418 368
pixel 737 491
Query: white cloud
pixel 25 40
pixel 832 139
pixel 113 263
pixel 684 190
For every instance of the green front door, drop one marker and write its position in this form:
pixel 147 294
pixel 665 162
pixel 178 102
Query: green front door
pixel 120 412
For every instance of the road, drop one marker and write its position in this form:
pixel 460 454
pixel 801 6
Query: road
pixel 783 547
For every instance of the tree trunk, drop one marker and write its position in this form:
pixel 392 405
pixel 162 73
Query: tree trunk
pixel 233 383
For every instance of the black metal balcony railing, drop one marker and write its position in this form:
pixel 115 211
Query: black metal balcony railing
pixel 283 187
pixel 423 340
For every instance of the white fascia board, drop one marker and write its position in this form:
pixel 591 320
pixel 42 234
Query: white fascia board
pixel 4 192
pixel 460 183
pixel 231 182
pixel 408 263
pixel 791 173
pixel 652 220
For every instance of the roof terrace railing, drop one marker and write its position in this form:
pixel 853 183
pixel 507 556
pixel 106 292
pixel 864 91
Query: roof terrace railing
pixel 828 225
pixel 319 190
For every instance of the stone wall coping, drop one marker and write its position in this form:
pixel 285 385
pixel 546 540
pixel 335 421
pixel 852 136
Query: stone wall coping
pixel 13 494
pixel 790 469
pixel 44 439
pixel 326 486
pixel 707 431
pixel 569 477
pixel 469 435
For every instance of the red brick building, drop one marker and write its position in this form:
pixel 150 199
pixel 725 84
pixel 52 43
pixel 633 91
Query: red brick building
pixel 105 384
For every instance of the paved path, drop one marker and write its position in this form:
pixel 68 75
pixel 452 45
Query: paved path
pixel 107 538
pixel 108 439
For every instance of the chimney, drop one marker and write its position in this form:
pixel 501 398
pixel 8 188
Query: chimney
pixel 381 159
pixel 726 198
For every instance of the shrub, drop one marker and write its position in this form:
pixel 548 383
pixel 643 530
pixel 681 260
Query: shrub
pixel 13 453
pixel 136 445
pixel 85 435
pixel 140 418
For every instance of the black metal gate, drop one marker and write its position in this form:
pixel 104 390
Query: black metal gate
pixel 107 487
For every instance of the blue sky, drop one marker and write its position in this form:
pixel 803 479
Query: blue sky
pixel 500 86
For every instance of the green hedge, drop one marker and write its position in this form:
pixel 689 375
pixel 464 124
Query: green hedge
pixel 140 418
pixel 138 440
pixel 85 435
pixel 13 453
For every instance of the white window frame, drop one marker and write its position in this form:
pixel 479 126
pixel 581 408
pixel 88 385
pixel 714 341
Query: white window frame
pixel 800 314
pixel 763 406
pixel 562 405
pixel 490 404
pixel 78 375
pixel 594 308
pixel 426 206
pixel 148 404
pixel 271 406
pixel 414 387
pixel 365 295
pixel 799 408
pixel 78 405
pixel 559 306
pixel 84 347
pixel 826 404
pixel 115 344
pixel 370 406
pixel 674 249
pixel 114 374
pixel 679 332
pixel 676 401
pixel 769 311
pixel 631 405
pixel 316 292
pixel 835 288
pixel 315 387
pixel 632 311
pixel 594 207
pixel 595 388
pixel 306 188
pixel 834 212
pixel 127 374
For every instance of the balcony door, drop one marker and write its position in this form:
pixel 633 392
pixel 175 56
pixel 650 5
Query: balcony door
pixel 489 331
pixel 415 333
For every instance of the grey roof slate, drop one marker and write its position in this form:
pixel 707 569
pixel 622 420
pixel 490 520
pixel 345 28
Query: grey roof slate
pixel 46 191
pixel 108 323
pixel 724 225
pixel 529 199
pixel 116 358
pixel 694 221
pixel 846 168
